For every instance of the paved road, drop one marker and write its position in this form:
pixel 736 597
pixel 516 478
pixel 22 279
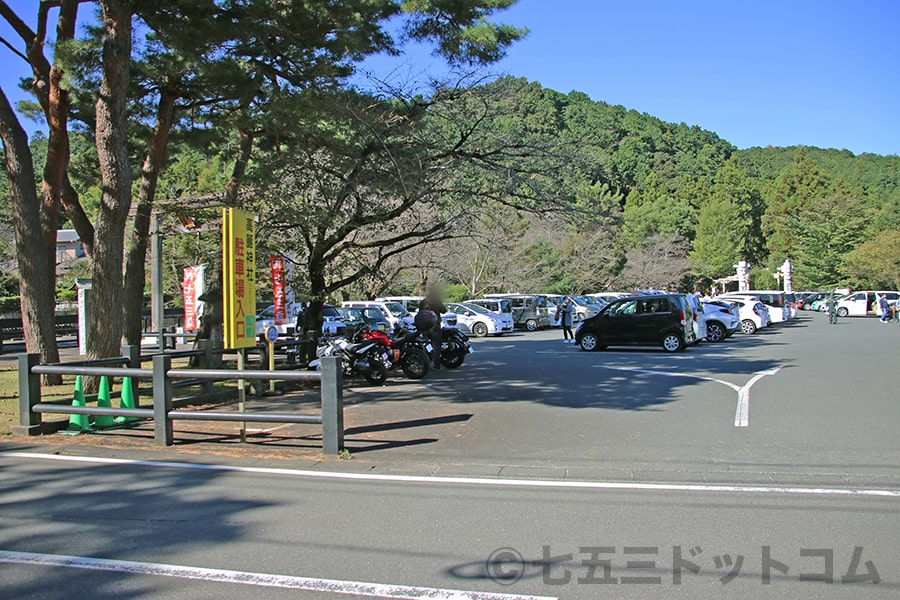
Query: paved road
pixel 181 526
pixel 634 457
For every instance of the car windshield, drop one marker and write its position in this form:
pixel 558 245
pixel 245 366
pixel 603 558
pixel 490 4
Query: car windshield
pixel 397 309
pixel 330 311
pixel 475 308
pixel 578 301
pixel 350 314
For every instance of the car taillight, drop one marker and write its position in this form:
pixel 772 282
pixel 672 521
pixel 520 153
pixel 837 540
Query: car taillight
pixel 696 317
pixel 683 321
pixel 756 311
pixel 726 311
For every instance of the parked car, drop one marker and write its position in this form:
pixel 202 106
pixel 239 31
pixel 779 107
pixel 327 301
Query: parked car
pixel 411 304
pixel 495 305
pixel 332 323
pixel 860 304
pixel 372 317
pixel 581 309
pixel 804 301
pixel 721 321
pixel 530 311
pixel 753 314
pixel 394 312
pixel 663 319
pixel 780 304
pixel 608 297
pixel 480 322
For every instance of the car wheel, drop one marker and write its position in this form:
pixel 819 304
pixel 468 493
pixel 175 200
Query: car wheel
pixel 531 325
pixel 479 329
pixel 842 311
pixel 715 331
pixel 748 326
pixel 590 342
pixel 673 342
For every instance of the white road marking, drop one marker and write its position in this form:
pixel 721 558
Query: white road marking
pixel 742 412
pixel 438 480
pixel 310 584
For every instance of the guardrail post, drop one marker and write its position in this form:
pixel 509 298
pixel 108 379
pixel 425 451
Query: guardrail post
pixel 332 405
pixel 162 400
pixel 29 396
pixel 133 354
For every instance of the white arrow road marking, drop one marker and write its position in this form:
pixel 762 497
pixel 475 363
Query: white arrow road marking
pixel 742 413
pixel 329 586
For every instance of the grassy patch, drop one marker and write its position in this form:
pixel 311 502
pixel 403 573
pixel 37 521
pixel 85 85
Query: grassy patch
pixel 9 397
pixel 9 394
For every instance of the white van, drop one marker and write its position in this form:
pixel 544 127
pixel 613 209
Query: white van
pixel 394 312
pixel 860 304
pixel 781 305
pixel 411 305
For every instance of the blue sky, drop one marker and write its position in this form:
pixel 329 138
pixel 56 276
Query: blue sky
pixel 757 72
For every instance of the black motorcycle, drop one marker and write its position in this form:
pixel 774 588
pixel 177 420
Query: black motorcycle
pixel 455 346
pixel 404 349
pixel 366 358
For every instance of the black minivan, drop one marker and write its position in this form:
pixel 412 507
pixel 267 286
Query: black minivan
pixel 639 320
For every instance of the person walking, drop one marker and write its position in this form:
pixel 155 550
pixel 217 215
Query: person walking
pixel 832 308
pixel 564 317
pixel 884 307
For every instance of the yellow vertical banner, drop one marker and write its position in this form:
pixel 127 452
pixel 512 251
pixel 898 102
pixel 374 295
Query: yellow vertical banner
pixel 239 277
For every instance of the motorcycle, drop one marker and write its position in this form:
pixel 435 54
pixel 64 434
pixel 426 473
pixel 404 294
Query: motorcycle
pixel 404 350
pixel 366 358
pixel 455 346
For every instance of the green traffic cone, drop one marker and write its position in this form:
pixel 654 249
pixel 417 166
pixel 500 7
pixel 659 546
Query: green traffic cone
pixel 103 402
pixel 78 423
pixel 129 394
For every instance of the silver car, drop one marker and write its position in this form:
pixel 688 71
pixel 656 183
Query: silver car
pixel 479 321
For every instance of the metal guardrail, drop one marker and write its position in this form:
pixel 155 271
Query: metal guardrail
pixel 163 378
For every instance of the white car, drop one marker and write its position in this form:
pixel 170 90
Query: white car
pixel 778 303
pixel 411 305
pixel 753 314
pixel 721 321
pixel 479 321
pixel 332 322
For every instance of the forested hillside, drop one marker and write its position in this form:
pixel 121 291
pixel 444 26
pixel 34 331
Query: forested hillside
pixel 545 191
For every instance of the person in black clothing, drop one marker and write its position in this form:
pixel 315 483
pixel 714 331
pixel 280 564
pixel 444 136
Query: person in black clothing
pixel 428 321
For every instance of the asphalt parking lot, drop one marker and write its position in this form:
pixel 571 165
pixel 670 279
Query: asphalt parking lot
pixel 801 402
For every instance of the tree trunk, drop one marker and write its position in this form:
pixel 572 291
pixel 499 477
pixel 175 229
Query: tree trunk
pixel 314 318
pixel 115 173
pixel 56 111
pixel 36 289
pixel 135 264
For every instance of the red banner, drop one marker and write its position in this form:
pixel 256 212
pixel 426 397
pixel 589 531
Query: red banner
pixel 278 289
pixel 189 293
